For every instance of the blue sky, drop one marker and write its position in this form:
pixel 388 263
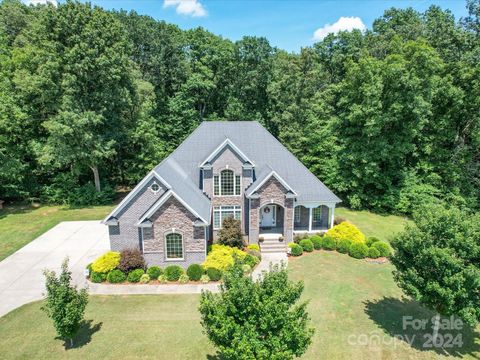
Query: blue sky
pixel 287 24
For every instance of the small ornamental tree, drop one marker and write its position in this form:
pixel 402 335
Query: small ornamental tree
pixel 64 304
pixel 231 233
pixel 257 320
pixel 437 262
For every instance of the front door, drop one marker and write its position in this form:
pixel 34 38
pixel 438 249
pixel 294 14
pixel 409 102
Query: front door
pixel 268 216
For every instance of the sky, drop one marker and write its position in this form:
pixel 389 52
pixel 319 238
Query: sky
pixel 287 24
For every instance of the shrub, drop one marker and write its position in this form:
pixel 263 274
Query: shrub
pixel 214 274
pixel 246 269
pixel 195 272
pixel 297 250
pixel 253 247
pixel 106 262
pixel 97 277
pixel 144 279
pixel 116 276
pixel 306 245
pixel 316 241
pixel 131 259
pixel 154 272
pixel 261 239
pixel 183 279
pixel 343 246
pixel 173 272
pixel 162 279
pixel 204 279
pixel 281 238
pixel 222 257
pixel 329 243
pixel 255 253
pixel 358 250
pixel 346 230
pixel 135 275
pixel 383 248
pixel 371 240
pixel 250 260
pixel 373 253
pixel 231 233
pixel 339 220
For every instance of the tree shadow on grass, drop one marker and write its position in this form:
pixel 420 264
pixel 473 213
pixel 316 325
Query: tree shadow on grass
pixel 84 335
pixel 395 317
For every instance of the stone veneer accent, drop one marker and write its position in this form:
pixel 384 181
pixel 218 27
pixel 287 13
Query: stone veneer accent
pixel 174 217
pixel 271 192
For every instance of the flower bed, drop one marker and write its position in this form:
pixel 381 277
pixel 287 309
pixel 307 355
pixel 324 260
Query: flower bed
pixel 345 238
pixel 129 267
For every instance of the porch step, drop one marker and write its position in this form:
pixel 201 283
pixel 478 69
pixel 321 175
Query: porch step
pixel 273 246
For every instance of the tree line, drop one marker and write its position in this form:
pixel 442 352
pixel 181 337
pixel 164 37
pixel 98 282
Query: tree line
pixel 91 100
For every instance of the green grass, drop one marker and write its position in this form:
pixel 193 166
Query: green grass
pixel 21 224
pixel 380 226
pixel 347 298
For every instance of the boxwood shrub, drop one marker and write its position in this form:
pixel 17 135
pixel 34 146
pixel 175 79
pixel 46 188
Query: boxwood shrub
pixel 154 272
pixel 316 241
pixel 371 240
pixel 162 279
pixel 144 279
pixel 343 246
pixel 97 277
pixel 183 279
pixel 204 279
pixel 135 275
pixel 306 245
pixel 358 250
pixel 214 274
pixel 116 276
pixel 329 243
pixel 383 248
pixel 173 272
pixel 296 250
pixel 195 272
pixel 373 253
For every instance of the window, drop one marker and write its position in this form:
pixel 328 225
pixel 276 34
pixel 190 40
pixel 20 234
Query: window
pixel 227 184
pixel 317 214
pixel 297 214
pixel 155 188
pixel 174 246
pixel 220 213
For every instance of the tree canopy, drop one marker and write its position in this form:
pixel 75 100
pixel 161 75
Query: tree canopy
pixel 387 118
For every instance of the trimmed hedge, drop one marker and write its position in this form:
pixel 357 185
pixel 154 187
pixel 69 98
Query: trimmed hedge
pixel 162 279
pixel 358 250
pixel 316 241
pixel 183 279
pixel 214 274
pixel 173 272
pixel 222 257
pixel 371 240
pixel 204 279
pixel 296 250
pixel 135 275
pixel 306 245
pixel 329 243
pixel 346 230
pixel 343 246
pixel 116 276
pixel 383 248
pixel 195 272
pixel 373 253
pixel 97 277
pixel 107 262
pixel 253 247
pixel 144 279
pixel 154 272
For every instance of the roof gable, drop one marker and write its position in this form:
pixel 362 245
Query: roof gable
pixel 220 148
pixel 263 179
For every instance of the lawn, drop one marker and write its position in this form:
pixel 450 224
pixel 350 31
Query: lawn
pixel 381 226
pixel 21 224
pixel 348 298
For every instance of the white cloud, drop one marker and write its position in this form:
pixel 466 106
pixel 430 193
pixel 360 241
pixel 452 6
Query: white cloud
pixel 186 7
pixel 37 2
pixel 342 24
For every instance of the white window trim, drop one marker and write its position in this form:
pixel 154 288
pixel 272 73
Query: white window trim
pixel 173 231
pixel 236 208
pixel 220 183
pixel 155 192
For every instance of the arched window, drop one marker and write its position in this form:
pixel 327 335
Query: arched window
pixel 227 183
pixel 174 246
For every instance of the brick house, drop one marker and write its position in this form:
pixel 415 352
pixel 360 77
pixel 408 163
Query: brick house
pixel 222 169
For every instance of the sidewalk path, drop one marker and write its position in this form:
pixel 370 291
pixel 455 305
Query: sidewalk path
pixel 269 259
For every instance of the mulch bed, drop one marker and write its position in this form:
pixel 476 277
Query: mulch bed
pixel 381 260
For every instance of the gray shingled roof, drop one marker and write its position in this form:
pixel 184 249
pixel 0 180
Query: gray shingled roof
pixel 181 168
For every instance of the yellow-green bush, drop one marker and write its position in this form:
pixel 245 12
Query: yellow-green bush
pixel 221 257
pixel 253 247
pixel 346 231
pixel 106 262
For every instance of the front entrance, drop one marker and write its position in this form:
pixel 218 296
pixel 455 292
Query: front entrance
pixel 268 216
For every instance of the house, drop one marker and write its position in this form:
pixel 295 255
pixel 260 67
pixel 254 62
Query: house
pixel 222 169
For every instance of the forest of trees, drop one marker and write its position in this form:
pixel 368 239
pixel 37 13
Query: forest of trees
pixel 91 100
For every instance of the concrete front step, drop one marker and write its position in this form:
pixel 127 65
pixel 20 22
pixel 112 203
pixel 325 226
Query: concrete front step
pixel 282 250
pixel 273 247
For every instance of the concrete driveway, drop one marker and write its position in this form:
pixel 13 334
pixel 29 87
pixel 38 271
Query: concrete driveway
pixel 21 278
